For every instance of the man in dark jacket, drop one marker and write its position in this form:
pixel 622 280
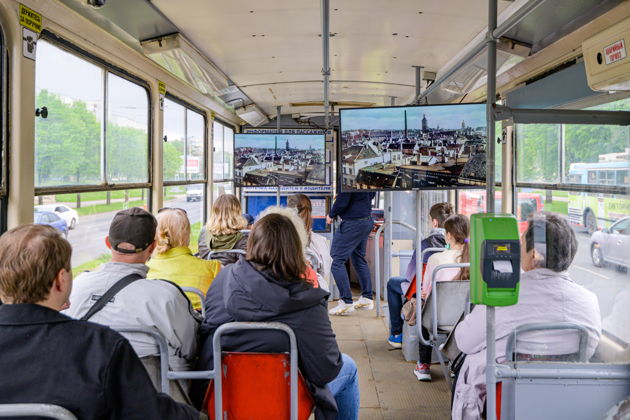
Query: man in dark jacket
pixel 242 293
pixel 395 292
pixel 350 242
pixel 50 358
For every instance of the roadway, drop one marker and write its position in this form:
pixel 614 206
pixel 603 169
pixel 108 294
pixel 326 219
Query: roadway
pixel 88 239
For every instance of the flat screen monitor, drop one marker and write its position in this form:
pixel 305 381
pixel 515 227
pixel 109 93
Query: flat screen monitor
pixel 279 159
pixel 413 147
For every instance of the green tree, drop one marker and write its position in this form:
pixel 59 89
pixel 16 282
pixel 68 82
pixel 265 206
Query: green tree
pixel 173 160
pixel 127 154
pixel 538 152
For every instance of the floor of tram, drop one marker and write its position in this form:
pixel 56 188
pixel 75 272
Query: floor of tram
pixel 389 389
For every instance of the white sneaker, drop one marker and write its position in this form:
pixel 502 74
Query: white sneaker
pixel 342 308
pixel 364 303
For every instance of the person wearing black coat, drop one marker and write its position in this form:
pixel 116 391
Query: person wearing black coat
pixel 49 358
pixel 269 286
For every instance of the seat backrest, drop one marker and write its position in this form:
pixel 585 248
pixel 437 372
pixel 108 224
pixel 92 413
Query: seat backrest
pixel 452 298
pixel 256 386
pixel 49 411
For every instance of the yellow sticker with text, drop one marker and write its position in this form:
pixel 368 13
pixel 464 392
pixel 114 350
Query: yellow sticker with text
pixel 30 19
pixel 162 88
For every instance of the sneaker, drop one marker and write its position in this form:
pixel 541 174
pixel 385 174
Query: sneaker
pixel 364 303
pixel 422 372
pixel 342 308
pixel 395 341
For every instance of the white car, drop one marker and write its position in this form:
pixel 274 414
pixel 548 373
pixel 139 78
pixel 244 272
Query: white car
pixel 68 214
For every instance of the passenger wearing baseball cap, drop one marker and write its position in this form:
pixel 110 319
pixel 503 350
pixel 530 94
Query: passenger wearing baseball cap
pixel 118 294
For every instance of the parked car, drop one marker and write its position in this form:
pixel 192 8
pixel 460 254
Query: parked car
pixel 612 245
pixel 68 214
pixel 51 219
pixel 194 193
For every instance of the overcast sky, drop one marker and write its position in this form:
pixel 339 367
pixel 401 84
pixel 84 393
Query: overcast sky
pixel 446 116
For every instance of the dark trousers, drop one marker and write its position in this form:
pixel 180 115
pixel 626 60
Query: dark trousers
pixel 350 241
pixel 424 352
pixel 395 303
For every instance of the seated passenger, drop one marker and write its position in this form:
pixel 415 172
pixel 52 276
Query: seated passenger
pixel 399 287
pixel 223 231
pixel 458 251
pixel 317 246
pixel 142 303
pixel 174 261
pixel 547 294
pixel 49 358
pixel 268 286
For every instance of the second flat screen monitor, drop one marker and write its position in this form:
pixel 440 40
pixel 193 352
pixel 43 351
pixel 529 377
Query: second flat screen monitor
pixel 415 147
pixel 279 160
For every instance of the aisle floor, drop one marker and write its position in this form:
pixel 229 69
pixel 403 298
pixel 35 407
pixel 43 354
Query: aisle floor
pixel 389 389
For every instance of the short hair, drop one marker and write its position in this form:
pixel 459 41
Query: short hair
pixel 226 217
pixel 173 230
pixel 441 212
pixel 293 216
pixel 274 246
pixel 31 256
pixel 561 243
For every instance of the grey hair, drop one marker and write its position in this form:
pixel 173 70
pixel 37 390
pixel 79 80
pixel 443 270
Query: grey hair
pixel 292 215
pixel 561 244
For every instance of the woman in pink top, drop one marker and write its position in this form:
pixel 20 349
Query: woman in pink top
pixel 457 251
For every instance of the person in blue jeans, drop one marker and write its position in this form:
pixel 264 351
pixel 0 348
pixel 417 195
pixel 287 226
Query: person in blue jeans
pixel 349 242
pixel 397 286
pixel 345 389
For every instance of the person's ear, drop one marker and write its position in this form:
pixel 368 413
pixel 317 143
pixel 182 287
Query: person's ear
pixel 62 283
pixel 435 223
pixel 109 245
pixel 151 247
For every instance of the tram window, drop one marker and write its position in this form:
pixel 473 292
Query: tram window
pixel 127 135
pixel 191 198
pixel 219 188
pixel 223 155
pixel 88 215
pixel 68 142
pixel 195 135
pixel 538 153
pixel 174 154
pixel 217 154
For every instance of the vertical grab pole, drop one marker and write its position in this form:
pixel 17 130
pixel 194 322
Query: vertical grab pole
pixel 387 243
pixel 418 248
pixel 491 48
pixel 278 114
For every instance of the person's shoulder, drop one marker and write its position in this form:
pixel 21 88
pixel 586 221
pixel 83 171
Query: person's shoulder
pixel 88 331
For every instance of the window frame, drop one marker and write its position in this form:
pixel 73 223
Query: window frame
pixel 107 68
pixel 188 106
pixel 4 84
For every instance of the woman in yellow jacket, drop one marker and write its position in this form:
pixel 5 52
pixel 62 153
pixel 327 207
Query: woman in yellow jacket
pixel 173 259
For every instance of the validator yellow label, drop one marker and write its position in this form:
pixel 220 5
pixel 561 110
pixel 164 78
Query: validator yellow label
pixel 30 19
pixel 162 88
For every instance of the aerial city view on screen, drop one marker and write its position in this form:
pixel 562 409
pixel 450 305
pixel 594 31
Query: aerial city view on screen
pixel 279 159
pixel 413 147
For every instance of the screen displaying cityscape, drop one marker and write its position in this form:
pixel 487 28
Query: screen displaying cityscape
pixel 414 147
pixel 279 159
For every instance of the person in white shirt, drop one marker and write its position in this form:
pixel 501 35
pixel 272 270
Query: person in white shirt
pixel 457 251
pixel 153 304
pixel 546 294
pixel 317 249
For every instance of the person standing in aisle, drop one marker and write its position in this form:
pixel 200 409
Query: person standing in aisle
pixel 349 241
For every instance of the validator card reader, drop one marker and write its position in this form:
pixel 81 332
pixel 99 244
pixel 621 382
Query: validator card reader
pixel 495 259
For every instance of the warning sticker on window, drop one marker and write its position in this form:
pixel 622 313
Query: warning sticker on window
pixel 615 52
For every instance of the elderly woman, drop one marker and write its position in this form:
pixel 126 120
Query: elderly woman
pixel 547 294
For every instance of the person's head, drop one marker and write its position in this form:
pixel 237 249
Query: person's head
pixel 439 212
pixel 249 219
pixel 226 217
pixel 173 230
pixel 303 205
pixel 548 242
pixel 132 236
pixel 274 246
pixel 293 216
pixel 35 266
pixel 457 229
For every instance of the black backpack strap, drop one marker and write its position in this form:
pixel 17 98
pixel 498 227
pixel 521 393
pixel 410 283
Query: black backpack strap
pixel 110 293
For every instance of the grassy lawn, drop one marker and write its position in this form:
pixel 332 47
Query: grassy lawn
pixel 560 207
pixel 103 208
pixel 91 265
pixel 555 193
pixel 99 195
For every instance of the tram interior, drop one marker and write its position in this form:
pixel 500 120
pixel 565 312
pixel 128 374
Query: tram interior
pixel 112 104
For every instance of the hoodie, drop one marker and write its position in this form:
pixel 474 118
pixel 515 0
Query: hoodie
pixel 244 294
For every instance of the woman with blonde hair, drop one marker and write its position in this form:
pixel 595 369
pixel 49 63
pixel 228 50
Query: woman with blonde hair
pixel 173 259
pixel 223 231
pixel 317 249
